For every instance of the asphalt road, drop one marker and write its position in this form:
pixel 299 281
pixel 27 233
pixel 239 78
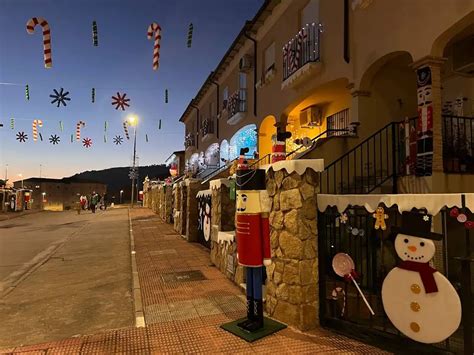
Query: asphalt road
pixel 64 274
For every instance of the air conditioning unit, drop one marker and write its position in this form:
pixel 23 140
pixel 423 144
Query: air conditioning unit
pixel 245 63
pixel 463 56
pixel 311 117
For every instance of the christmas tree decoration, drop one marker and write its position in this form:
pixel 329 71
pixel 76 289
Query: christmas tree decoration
pixel 344 266
pixel 419 300
pixel 166 96
pixel 21 137
pixel 36 124
pixel 120 101
pixel 79 125
pixel 380 218
pixel 93 95
pixel 118 140
pixel 61 126
pixel 27 92
pixel 30 28
pixel 95 38
pixel 60 97
pixel 125 129
pixel 12 123
pixel 154 30
pixel 87 142
pixel 190 35
pixel 54 139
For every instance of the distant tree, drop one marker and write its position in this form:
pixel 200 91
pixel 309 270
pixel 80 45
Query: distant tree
pixel 3 183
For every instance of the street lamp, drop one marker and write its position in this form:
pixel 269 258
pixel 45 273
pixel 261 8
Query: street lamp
pixel 133 121
pixel 121 193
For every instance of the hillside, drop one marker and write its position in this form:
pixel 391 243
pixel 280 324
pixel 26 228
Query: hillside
pixel 117 178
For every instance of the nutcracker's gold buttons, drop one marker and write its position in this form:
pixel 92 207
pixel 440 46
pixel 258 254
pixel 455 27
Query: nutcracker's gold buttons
pixel 415 306
pixel 415 327
pixel 415 288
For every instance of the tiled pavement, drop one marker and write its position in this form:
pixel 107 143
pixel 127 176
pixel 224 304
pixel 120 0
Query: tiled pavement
pixel 183 316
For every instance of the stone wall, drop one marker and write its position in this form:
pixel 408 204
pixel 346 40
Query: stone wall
pixel 292 284
pixel 224 252
pixel 161 204
pixel 193 186
pixel 168 204
pixel 177 208
pixel 183 202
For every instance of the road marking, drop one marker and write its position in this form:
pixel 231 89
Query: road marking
pixel 137 294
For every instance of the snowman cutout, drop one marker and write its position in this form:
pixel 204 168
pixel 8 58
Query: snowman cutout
pixel 207 221
pixel 419 301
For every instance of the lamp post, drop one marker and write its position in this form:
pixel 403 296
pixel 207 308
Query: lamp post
pixel 132 120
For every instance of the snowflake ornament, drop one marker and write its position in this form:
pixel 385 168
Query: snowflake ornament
pixel 426 218
pixel 54 139
pixel 343 218
pixel 87 142
pixel 60 97
pixel 21 137
pixel 120 101
pixel 118 140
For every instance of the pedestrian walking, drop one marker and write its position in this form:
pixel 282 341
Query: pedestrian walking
pixel 83 202
pixel 94 201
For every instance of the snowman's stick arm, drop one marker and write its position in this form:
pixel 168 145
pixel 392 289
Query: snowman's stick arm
pixel 363 297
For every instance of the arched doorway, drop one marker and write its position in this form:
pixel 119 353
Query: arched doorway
pixel 193 163
pixel 266 131
pixel 224 152
pixel 246 137
pixel 212 156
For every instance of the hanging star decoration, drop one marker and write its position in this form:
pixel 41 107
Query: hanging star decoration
pixel 120 101
pixel 118 140
pixel 54 139
pixel 21 137
pixel 60 97
pixel 87 142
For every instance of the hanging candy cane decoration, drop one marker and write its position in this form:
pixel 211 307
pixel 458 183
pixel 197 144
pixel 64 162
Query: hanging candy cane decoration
pixel 79 125
pixel 41 136
pixel 155 29
pixel 159 125
pixel 125 128
pixel 166 96
pixel 36 124
pixel 105 126
pixel 336 292
pixel 72 138
pixel 30 28
pixel 146 137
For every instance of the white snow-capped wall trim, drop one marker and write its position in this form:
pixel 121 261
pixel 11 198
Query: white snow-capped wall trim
pixel 217 183
pixel 223 237
pixel 203 193
pixel 299 165
pixel 405 202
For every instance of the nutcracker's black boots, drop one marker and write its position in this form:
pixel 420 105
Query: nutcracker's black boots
pixel 257 322
pixel 250 314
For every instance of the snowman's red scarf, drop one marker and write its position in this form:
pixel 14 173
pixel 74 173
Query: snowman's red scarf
pixel 426 273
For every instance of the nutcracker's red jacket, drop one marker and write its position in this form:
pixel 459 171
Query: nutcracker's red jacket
pixel 253 239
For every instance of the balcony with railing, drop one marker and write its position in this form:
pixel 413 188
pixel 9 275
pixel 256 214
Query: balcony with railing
pixel 458 147
pixel 207 129
pixel 339 124
pixel 189 141
pixel 237 106
pixel 301 56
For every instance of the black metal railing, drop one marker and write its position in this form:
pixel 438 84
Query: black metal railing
pixel 189 140
pixel 237 102
pixel 207 127
pixel 458 149
pixel 367 166
pixel 374 255
pixel 338 121
pixel 209 175
pixel 302 49
pixel 265 160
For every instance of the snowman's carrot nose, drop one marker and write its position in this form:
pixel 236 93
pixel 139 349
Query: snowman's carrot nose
pixel 412 248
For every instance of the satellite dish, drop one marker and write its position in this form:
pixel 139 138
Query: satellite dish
pixel 305 142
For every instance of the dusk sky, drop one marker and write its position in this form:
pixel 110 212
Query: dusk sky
pixel 122 62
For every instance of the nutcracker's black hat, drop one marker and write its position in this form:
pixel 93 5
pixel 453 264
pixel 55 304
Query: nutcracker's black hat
pixel 416 224
pixel 250 179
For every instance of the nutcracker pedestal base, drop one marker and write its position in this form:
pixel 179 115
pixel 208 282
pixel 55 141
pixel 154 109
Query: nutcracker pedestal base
pixel 270 326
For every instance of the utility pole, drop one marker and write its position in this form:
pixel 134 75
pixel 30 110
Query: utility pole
pixel 133 164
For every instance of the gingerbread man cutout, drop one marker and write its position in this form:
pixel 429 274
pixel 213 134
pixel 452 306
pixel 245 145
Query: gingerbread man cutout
pixel 380 218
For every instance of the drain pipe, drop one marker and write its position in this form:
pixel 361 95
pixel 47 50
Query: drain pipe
pixel 198 123
pixel 217 107
pixel 254 73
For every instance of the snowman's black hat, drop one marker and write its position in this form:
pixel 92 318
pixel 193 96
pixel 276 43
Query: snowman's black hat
pixel 416 224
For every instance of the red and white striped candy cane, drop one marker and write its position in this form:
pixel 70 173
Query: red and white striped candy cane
pixel 79 125
pixel 155 29
pixel 36 124
pixel 125 128
pixel 30 28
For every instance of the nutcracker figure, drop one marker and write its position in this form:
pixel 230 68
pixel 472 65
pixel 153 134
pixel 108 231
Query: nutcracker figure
pixel 253 238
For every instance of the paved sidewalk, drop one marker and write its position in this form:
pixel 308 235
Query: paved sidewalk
pixel 183 311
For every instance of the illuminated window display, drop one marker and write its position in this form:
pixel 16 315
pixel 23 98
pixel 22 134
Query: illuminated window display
pixel 246 137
